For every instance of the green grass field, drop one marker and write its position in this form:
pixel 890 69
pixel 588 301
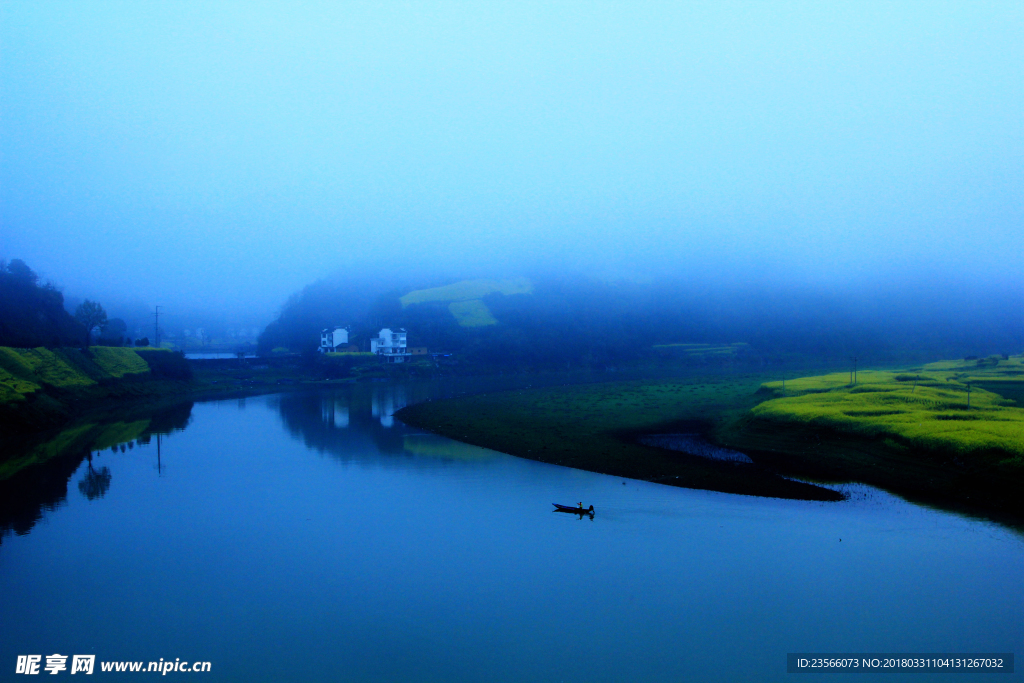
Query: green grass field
pixel 43 366
pixel 909 432
pixel 922 408
pixel 594 427
pixel 472 313
pixel 14 389
pixel 464 298
pixel 118 362
pixel 468 289
pixel 24 371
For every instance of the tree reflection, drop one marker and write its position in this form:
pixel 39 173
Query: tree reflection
pixel 96 482
pixel 41 469
pixel 29 493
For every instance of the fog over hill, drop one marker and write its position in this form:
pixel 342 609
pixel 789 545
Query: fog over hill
pixel 855 161
pixel 556 319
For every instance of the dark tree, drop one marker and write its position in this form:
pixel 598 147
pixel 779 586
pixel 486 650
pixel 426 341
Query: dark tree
pixel 113 333
pixel 90 314
pixel 32 314
pixel 20 271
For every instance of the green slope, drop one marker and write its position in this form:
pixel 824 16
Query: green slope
pixel 464 298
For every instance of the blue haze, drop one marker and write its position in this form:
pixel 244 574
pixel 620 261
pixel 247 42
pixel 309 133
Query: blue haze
pixel 219 156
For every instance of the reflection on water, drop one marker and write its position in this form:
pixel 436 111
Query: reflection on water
pixel 96 482
pixel 347 423
pixel 344 423
pixel 360 417
pixel 35 480
pixel 434 446
pixel 356 420
pixel 384 400
pixel 580 512
pixel 312 537
pixel 694 444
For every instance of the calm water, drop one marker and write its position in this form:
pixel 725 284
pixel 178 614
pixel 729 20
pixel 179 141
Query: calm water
pixel 312 537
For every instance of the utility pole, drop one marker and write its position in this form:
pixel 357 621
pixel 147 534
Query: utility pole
pixel 853 373
pixel 968 396
pixel 156 327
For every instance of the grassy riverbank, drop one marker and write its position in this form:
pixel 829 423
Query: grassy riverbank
pixel 909 432
pixel 44 389
pixel 41 388
pixel 594 427
pixel 59 401
pixel 948 406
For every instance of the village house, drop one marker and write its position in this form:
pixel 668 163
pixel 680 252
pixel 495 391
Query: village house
pixel 391 344
pixel 334 341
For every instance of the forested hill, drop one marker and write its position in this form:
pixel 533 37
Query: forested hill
pixel 32 314
pixel 555 321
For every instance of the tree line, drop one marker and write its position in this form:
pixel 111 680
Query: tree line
pixel 32 314
pixel 576 321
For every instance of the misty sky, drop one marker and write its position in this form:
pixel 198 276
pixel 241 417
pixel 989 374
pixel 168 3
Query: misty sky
pixel 222 155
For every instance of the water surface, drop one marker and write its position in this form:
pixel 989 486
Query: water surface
pixel 313 537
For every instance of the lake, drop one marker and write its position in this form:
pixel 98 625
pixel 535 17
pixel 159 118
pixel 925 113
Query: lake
pixel 313 537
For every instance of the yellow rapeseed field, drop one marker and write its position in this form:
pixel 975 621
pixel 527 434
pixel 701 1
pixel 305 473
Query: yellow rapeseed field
pixel 118 361
pixel 468 289
pixel 464 298
pixel 923 407
pixel 13 389
pixel 43 366
pixel 24 371
pixel 473 313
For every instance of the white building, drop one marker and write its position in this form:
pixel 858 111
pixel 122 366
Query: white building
pixel 331 340
pixel 391 345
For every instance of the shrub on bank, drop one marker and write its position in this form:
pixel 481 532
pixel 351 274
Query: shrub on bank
pixel 165 364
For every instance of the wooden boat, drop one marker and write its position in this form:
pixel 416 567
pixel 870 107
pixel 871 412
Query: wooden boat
pixel 574 509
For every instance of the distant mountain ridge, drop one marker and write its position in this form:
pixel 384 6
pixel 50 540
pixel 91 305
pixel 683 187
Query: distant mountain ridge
pixel 563 320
